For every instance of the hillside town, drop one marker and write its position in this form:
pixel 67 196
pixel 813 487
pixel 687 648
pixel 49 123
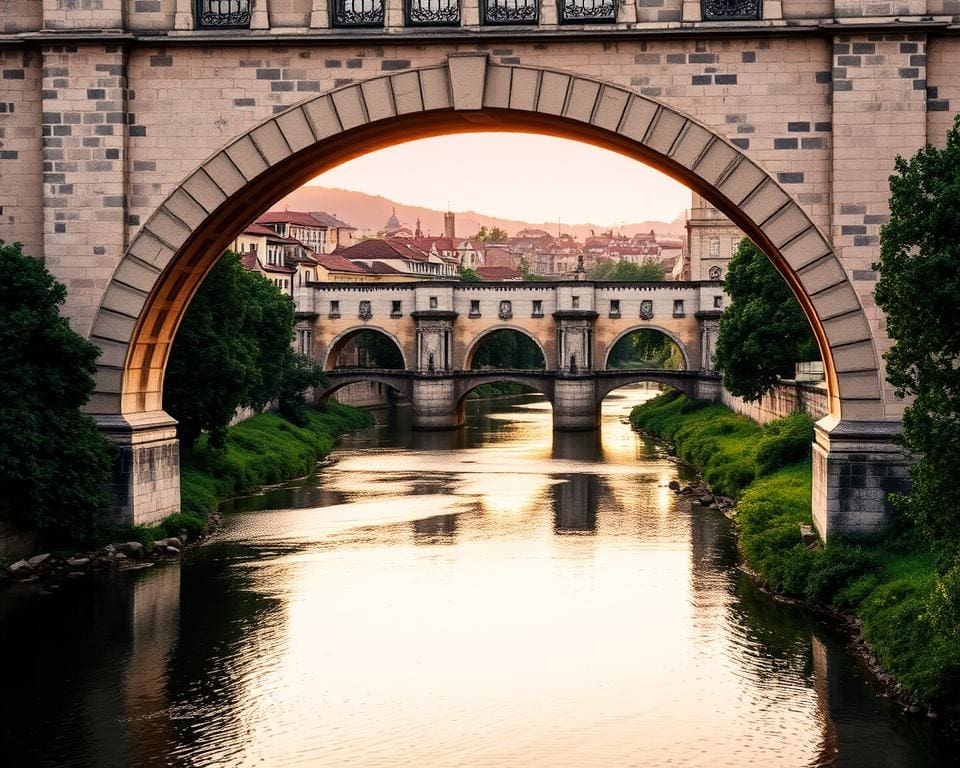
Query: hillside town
pixel 296 248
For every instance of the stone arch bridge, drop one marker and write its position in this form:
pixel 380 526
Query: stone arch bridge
pixel 137 138
pixel 438 327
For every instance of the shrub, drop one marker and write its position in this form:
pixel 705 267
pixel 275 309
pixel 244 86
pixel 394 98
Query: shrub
pixel 784 441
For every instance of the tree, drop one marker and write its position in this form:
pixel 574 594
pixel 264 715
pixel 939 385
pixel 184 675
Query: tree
pixel 230 350
pixel 468 275
pixel 299 373
pixel 523 267
pixel 493 235
pixel 508 349
pixel 646 348
pixel 54 464
pixel 918 286
pixel 607 270
pixel 763 331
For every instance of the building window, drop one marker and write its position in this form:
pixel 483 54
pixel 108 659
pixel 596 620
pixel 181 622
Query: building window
pixel 614 307
pixel 357 13
pixel 575 302
pixel 714 248
pixel 734 244
pixel 731 10
pixel 715 273
pixel 678 308
pixel 334 309
pixel 223 14
pixel 474 308
pixel 510 11
pixel 433 13
pixel 537 309
pixel 395 309
pixel 433 302
pixel 588 11
pixel 718 302
pixel 365 310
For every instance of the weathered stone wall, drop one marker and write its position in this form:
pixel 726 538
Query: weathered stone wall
pixel 21 16
pixel 21 164
pixel 143 15
pixel 782 400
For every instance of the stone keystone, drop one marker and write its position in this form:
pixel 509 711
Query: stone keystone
pixel 468 75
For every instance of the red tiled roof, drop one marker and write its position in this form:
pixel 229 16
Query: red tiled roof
pixel 337 263
pixel 289 217
pixel 381 248
pixel 259 229
pixel 497 273
pixel 331 222
pixel 379 268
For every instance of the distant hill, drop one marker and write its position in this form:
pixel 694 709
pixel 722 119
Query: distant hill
pixel 369 213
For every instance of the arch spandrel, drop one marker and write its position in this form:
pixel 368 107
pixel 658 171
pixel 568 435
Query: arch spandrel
pixel 168 258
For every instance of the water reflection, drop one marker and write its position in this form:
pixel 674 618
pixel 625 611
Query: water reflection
pixel 499 595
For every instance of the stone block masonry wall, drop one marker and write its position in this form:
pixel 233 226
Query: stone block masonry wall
pixel 21 16
pixel 84 154
pixel 783 400
pixel 943 87
pixel 21 196
pixel 82 14
pixel 879 111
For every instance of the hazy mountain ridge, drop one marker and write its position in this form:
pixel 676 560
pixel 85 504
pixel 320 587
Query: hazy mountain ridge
pixel 368 213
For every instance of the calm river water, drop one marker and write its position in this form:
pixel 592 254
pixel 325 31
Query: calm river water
pixel 497 596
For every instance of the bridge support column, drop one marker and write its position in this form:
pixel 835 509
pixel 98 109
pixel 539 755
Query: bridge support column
pixel 145 487
pixel 855 465
pixel 709 388
pixel 434 403
pixel 575 403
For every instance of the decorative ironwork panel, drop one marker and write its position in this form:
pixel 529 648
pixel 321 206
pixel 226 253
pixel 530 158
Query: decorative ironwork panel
pixel 423 13
pixel 223 14
pixel 357 13
pixel 511 11
pixel 588 11
pixel 731 10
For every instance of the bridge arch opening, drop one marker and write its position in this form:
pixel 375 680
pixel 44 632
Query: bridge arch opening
pixel 167 260
pixel 365 347
pixel 505 348
pixel 531 393
pixel 646 348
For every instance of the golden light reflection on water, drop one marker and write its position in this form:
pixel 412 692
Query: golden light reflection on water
pixel 498 596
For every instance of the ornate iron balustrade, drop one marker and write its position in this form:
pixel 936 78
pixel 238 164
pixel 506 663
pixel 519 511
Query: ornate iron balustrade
pixel 731 10
pixel 223 14
pixel 357 13
pixel 433 13
pixel 588 11
pixel 511 11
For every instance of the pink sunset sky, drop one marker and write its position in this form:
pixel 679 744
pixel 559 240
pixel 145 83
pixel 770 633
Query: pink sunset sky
pixel 519 176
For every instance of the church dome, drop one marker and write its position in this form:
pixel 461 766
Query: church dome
pixel 393 222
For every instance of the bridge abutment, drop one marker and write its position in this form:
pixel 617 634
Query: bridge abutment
pixel 434 403
pixel 575 403
pixel 856 464
pixel 145 483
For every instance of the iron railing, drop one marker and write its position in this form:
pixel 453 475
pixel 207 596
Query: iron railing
pixel 511 11
pixel 587 11
pixel 433 13
pixel 731 10
pixel 357 13
pixel 223 14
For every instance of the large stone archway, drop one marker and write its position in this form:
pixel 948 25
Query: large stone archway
pixel 169 257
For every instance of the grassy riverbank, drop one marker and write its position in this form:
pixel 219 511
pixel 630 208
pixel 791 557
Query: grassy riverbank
pixel 263 450
pixel 886 583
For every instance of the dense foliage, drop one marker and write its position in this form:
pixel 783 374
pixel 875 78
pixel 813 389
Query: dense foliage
pixel 468 275
pixel 886 583
pixel 508 349
pixel 370 349
pixel 54 464
pixel 764 331
pixel 918 287
pixel 607 270
pixel 232 349
pixel 492 235
pixel 648 349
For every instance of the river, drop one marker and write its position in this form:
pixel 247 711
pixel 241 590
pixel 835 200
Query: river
pixel 495 596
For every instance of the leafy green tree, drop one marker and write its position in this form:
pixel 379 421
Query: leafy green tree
pixel 54 464
pixel 493 235
pixel 918 289
pixel 468 275
pixel 269 319
pixel 607 270
pixel 523 267
pixel 299 373
pixel 764 331
pixel 508 349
